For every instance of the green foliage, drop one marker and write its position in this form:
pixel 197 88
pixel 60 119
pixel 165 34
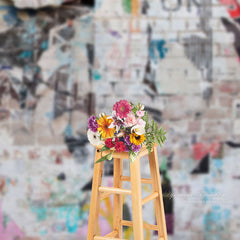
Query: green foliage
pixel 135 108
pixel 145 118
pixel 153 134
pixel 106 157
pixel 104 148
pixel 132 156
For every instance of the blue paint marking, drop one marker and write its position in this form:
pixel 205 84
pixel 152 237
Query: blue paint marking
pixel 72 220
pixel 96 75
pixel 68 131
pixel 210 190
pixel 159 47
pixel 216 220
pixel 11 16
pixel 6 67
pixel 44 45
pixel 50 115
pixel 26 54
pixel 69 215
pixel 217 165
pixel 98 4
pixel 43 232
pixel 41 212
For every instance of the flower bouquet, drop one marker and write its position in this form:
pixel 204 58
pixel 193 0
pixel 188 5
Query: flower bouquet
pixel 126 130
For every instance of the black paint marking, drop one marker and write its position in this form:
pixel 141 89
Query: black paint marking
pixel 61 177
pixel 233 28
pixel 232 144
pixel 87 186
pixel 157 114
pixel 179 4
pixel 203 166
pixel 176 8
pixel 74 142
pixel 89 3
pixel 145 7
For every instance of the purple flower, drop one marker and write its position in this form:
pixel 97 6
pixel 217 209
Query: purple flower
pixel 136 148
pixel 117 121
pixel 92 124
pixel 127 140
pixel 126 149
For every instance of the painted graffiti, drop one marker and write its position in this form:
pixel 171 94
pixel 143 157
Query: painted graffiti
pixel 178 5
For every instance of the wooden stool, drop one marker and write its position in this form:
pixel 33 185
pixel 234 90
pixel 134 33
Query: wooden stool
pixel 99 192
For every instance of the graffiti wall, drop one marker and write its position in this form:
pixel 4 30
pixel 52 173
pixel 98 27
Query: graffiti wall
pixel 58 65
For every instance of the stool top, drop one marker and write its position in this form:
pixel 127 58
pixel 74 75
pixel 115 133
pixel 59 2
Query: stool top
pixel 125 155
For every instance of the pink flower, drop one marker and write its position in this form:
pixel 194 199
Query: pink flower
pixel 140 113
pixel 141 122
pixel 130 120
pixel 122 108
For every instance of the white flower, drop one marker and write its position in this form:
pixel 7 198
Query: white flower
pixel 101 114
pixel 94 138
pixel 141 107
pixel 120 134
pixel 138 129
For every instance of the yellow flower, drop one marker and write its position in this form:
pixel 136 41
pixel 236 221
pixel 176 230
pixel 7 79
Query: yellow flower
pixel 104 130
pixel 137 139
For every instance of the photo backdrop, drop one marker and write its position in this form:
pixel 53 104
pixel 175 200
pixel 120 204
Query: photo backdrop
pixel 61 61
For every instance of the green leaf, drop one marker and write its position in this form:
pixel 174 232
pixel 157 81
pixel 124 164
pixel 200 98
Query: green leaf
pixel 109 156
pixel 104 158
pixel 145 118
pixel 132 156
pixel 104 148
pixel 134 109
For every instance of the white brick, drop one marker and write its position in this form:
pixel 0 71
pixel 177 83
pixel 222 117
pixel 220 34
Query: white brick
pixel 175 50
pixel 156 9
pixel 226 68
pixel 215 49
pixel 159 25
pixel 169 36
pixel 178 25
pixel 227 50
pixel 223 37
pixel 184 35
pixel 143 24
pixel 101 87
pixel 184 13
pixel 219 11
pixel 215 24
pixel 193 24
pixel 135 89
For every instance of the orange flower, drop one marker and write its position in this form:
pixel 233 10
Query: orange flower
pixel 104 122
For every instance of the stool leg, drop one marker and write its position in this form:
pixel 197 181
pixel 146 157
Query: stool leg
pixel 117 198
pixel 158 202
pixel 95 199
pixel 136 199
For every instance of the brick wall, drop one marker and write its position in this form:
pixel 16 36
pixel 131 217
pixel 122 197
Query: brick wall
pixel 180 58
